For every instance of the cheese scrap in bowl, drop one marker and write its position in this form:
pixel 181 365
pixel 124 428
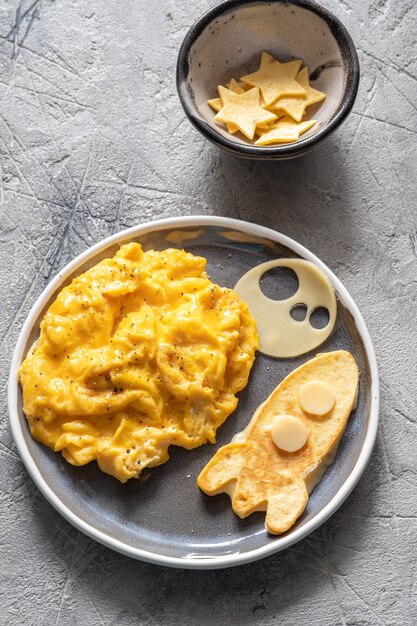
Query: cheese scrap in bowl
pixel 140 352
pixel 271 102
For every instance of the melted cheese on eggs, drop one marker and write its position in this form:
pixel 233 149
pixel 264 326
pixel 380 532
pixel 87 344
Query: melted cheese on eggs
pixel 140 352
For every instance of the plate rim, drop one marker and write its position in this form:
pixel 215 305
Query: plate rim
pixel 216 562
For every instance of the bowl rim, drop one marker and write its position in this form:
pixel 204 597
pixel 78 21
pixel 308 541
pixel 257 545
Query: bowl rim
pixel 189 562
pixel 301 146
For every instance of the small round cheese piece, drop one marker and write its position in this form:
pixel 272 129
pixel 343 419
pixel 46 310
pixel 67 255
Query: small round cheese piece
pixel 288 433
pixel 316 397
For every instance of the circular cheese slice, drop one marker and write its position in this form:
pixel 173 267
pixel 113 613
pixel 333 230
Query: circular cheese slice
pixel 288 433
pixel 316 397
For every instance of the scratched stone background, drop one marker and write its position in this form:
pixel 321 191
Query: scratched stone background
pixel 92 140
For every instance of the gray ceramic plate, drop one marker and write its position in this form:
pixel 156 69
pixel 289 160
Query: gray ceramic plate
pixel 164 518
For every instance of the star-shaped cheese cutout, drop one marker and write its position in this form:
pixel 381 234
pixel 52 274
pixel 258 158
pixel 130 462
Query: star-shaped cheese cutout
pixel 283 131
pixel 243 110
pixel 296 105
pixel 275 79
pixel 216 103
pixel 236 87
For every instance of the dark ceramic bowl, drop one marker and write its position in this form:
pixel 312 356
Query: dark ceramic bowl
pixel 226 43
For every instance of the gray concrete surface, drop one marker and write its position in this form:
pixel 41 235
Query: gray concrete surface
pixel 92 140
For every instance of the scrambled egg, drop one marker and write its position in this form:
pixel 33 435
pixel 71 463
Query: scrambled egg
pixel 140 352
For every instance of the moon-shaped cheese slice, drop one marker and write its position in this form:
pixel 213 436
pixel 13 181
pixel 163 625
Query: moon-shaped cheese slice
pixel 280 335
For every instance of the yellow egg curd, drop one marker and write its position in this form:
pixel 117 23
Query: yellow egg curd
pixel 140 352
